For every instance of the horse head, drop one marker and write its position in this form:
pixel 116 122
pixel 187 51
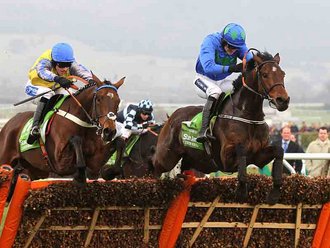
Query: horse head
pixel 105 106
pixel 269 79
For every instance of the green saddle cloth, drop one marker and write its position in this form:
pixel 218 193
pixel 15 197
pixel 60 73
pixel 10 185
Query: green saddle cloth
pixel 24 146
pixel 190 129
pixel 129 146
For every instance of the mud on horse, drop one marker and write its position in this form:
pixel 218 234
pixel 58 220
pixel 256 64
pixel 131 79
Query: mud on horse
pixel 241 135
pixel 79 137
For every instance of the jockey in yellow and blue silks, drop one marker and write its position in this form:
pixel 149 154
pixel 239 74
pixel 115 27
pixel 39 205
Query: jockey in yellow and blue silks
pixel 216 61
pixel 52 68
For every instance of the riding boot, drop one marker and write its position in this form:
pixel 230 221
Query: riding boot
pixel 35 132
pixel 205 119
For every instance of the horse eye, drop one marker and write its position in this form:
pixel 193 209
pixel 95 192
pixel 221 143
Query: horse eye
pixel 264 75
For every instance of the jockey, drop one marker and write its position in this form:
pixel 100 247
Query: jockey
pixel 49 70
pixel 216 61
pixel 135 119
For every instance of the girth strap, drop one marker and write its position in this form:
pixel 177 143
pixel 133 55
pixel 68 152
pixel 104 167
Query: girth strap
pixel 230 117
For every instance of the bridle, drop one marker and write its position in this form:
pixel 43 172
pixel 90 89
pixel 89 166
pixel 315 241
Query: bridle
pixel 257 68
pixel 109 116
pixel 94 119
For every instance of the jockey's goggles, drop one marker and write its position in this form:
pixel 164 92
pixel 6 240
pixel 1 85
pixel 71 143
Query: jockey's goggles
pixel 230 46
pixel 63 64
pixel 145 113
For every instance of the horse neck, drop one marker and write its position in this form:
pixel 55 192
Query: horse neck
pixel 249 103
pixel 85 98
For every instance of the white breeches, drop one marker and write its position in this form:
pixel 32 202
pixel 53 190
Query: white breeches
pixel 206 87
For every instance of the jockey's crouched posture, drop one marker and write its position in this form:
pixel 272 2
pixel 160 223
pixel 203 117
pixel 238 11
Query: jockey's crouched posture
pixel 50 69
pixel 216 61
pixel 134 119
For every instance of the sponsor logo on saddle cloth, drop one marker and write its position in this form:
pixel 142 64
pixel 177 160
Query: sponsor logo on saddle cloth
pixel 190 131
pixel 24 146
pixel 130 144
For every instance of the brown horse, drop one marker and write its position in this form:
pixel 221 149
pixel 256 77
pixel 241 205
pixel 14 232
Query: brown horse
pixel 137 163
pixel 79 135
pixel 241 136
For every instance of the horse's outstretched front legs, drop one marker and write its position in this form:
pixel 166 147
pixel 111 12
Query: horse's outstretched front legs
pixel 80 175
pixel 241 192
pixel 264 157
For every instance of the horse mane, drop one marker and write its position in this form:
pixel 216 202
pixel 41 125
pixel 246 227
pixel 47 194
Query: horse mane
pixel 265 56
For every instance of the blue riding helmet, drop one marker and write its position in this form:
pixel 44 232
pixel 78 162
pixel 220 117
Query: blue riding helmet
pixel 234 35
pixel 146 106
pixel 62 52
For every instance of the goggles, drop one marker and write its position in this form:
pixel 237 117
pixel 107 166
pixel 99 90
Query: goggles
pixel 230 46
pixel 64 64
pixel 145 113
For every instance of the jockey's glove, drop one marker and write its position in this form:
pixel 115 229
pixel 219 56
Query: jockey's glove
pixel 91 81
pixel 236 68
pixel 145 124
pixel 65 83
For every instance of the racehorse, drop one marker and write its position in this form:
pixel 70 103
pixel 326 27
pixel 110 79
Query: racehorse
pixel 78 136
pixel 240 136
pixel 137 162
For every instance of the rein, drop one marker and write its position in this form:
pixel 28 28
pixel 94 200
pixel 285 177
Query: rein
pixel 93 121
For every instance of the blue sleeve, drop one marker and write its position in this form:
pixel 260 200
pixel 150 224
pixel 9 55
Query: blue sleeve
pixel 80 71
pixel 44 70
pixel 242 52
pixel 207 57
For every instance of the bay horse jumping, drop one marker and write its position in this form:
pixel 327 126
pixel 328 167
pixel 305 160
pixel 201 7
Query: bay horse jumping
pixel 79 136
pixel 240 133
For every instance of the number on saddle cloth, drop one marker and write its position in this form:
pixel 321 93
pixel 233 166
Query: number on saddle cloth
pixel 24 146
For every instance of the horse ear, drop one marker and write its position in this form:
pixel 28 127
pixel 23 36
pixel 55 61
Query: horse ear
pixel 277 58
pixel 119 83
pixel 257 59
pixel 96 79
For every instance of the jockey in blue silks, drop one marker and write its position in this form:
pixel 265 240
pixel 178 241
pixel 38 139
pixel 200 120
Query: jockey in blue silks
pixel 216 61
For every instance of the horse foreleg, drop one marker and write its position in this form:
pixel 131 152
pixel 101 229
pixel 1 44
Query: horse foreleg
pixel 80 175
pixel 265 156
pixel 241 192
pixel 277 171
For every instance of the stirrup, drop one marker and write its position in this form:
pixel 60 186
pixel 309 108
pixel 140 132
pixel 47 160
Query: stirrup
pixel 34 135
pixel 35 131
pixel 202 137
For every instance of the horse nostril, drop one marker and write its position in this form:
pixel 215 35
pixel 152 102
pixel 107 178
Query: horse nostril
pixel 106 132
pixel 281 100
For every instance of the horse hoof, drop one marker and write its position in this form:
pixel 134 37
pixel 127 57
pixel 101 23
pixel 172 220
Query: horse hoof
pixel 273 197
pixel 79 183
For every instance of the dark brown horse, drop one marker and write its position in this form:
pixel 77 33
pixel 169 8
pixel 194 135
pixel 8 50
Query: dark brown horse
pixel 79 137
pixel 241 134
pixel 137 163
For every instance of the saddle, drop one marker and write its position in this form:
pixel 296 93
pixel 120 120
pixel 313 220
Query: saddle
pixel 51 108
pixel 190 129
